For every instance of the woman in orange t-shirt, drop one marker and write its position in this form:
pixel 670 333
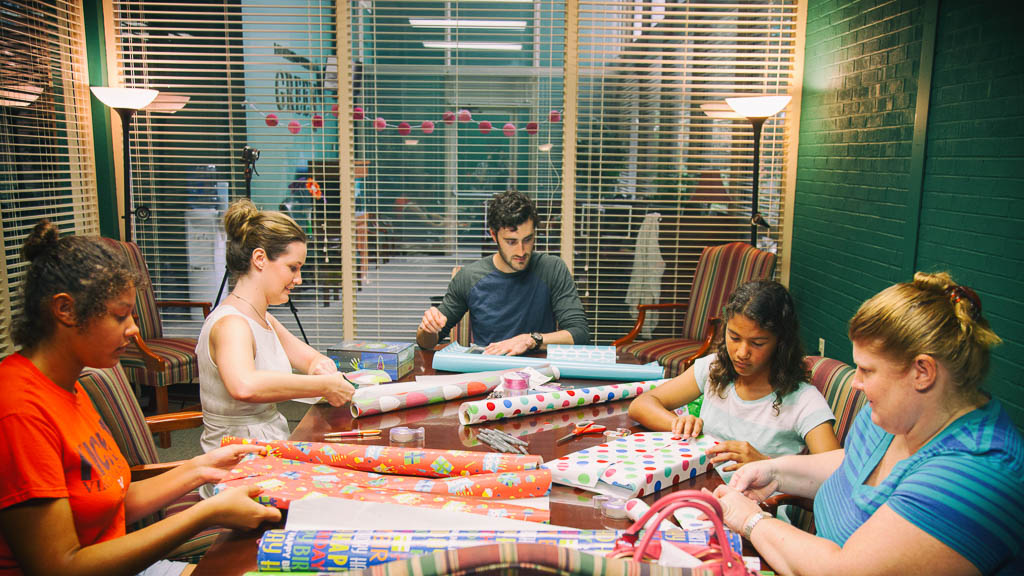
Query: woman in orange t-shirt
pixel 65 494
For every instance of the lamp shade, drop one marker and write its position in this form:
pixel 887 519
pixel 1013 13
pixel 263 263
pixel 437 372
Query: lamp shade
pixel 758 106
pixel 168 103
pixel 130 98
pixel 720 110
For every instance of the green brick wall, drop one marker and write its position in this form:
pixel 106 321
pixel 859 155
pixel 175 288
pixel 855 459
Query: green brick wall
pixel 860 213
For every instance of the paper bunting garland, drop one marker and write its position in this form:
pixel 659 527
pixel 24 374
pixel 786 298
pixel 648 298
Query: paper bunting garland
pixel 403 127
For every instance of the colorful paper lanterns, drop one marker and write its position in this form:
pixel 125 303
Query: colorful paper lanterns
pixel 404 128
pixel 427 127
pixel 271 119
pixel 294 127
pixel 509 129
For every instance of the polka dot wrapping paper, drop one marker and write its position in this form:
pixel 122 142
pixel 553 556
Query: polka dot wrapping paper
pixel 493 409
pixel 636 465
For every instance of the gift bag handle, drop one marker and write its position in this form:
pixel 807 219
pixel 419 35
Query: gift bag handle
pixel 732 563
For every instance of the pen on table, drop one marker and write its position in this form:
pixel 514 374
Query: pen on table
pixel 352 433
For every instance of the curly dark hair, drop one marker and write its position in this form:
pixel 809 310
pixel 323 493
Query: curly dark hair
pixel 87 269
pixel 769 304
pixel 509 209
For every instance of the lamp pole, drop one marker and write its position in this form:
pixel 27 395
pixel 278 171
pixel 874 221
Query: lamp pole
pixel 126 123
pixel 755 216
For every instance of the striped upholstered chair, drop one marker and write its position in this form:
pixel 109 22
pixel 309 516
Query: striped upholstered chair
pixel 834 379
pixel 111 393
pixel 719 271
pixel 153 359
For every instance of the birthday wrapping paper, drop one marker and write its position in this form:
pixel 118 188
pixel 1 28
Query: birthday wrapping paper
pixel 488 410
pixel 301 478
pixel 635 465
pixel 377 400
pixel 339 550
pixel 524 427
pixel 395 459
pixel 456 358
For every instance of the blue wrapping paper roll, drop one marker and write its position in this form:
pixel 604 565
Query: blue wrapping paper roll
pixel 455 358
pixel 340 550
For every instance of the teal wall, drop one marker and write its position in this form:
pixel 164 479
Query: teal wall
pixel 889 182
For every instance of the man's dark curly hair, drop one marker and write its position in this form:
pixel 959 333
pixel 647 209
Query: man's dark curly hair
pixel 769 304
pixel 509 209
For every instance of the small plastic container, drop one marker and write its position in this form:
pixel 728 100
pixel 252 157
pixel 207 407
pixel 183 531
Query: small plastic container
pixel 515 383
pixel 614 508
pixel 406 436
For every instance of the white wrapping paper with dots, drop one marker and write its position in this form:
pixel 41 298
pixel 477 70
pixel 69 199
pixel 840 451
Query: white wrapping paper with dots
pixel 635 465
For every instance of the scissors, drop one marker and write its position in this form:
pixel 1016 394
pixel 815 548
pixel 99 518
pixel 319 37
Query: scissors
pixel 582 428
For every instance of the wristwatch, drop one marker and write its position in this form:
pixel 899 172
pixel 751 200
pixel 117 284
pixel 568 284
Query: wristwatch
pixel 538 339
pixel 752 521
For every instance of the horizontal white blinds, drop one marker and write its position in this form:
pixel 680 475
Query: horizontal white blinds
pixel 453 102
pixel 649 154
pixel 46 155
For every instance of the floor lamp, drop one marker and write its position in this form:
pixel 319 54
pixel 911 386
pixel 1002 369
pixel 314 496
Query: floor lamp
pixel 757 109
pixel 126 101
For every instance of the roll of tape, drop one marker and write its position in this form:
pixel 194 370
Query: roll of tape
pixel 614 508
pixel 404 435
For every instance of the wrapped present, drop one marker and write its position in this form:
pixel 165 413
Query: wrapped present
pixel 304 477
pixel 492 409
pixel 456 358
pixel 395 358
pixel 395 459
pixel 635 465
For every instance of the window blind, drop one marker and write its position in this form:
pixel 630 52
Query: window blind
pixel 450 103
pixel 649 153
pixel 46 154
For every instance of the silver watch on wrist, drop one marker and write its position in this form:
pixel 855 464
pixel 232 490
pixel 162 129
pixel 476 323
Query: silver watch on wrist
pixel 538 339
pixel 752 521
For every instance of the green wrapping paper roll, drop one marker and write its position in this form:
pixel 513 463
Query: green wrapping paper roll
pixel 537 402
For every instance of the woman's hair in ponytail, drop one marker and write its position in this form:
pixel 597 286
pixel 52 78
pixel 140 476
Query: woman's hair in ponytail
pixel 932 315
pixel 249 228
pixel 85 268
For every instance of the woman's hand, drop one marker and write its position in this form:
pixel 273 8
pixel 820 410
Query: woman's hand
pixel 339 391
pixel 235 508
pixel 740 453
pixel 736 507
pixel 759 480
pixel 215 464
pixel 322 365
pixel 687 426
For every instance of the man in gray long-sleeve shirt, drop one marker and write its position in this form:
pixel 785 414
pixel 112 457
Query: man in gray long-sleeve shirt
pixel 518 300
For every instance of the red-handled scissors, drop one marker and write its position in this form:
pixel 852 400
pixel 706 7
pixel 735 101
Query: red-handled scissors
pixel 582 428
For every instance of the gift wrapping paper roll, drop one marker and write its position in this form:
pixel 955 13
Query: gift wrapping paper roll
pixel 524 427
pixel 455 358
pixel 490 410
pixel 458 387
pixel 309 550
pixel 300 478
pixel 427 462
pixel 636 508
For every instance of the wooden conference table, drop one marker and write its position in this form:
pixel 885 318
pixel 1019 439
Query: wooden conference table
pixel 235 552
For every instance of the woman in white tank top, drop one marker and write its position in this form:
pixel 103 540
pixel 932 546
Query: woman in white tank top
pixel 248 361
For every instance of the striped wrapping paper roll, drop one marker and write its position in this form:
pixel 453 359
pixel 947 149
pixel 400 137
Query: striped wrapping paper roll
pixel 455 386
pixel 428 462
pixel 537 402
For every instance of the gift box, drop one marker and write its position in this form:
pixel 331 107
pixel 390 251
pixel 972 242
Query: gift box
pixel 395 358
pixel 636 465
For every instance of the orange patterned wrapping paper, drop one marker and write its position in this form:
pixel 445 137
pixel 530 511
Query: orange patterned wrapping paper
pixel 428 462
pixel 284 481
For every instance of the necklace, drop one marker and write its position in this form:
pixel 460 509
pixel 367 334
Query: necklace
pixel 261 318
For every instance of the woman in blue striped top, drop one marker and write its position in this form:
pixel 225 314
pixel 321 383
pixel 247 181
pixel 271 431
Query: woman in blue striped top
pixel 932 477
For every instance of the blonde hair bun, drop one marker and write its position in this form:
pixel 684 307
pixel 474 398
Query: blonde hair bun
pixel 239 219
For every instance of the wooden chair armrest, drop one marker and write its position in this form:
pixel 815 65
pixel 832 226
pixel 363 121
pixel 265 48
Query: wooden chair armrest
pixel 771 504
pixel 143 471
pixel 154 363
pixel 642 314
pixel 186 304
pixel 714 324
pixel 174 421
